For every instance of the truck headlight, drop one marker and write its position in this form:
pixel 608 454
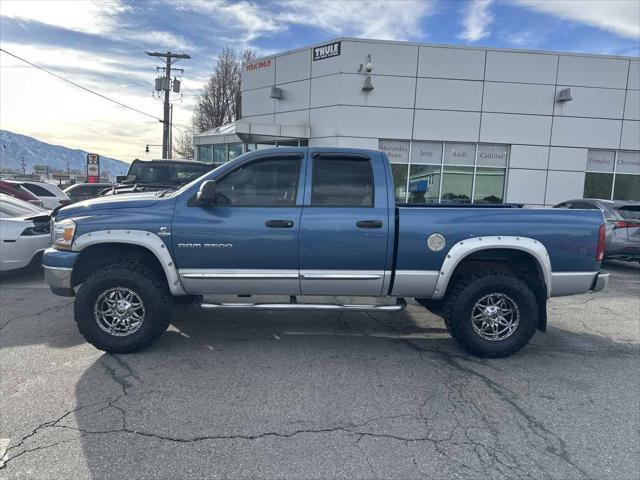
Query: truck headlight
pixel 62 234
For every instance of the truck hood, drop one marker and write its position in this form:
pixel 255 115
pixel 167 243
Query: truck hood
pixel 134 200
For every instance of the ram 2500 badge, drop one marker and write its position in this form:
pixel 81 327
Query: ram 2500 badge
pixel 317 221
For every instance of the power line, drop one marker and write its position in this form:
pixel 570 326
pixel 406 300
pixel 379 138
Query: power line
pixel 85 88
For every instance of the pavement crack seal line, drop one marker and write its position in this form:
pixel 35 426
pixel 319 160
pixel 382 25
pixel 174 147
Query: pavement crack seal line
pixel 555 445
pixel 30 315
pixel 120 379
pixel 6 458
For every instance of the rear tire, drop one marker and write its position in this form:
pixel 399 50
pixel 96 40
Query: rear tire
pixel 123 308
pixel 491 314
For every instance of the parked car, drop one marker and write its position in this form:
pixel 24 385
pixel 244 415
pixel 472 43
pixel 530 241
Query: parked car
pixel 155 175
pixel 84 191
pixel 19 192
pixel 317 221
pixel 623 225
pixel 51 196
pixel 24 232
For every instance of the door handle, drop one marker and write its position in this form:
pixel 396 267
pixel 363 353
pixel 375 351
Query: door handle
pixel 279 223
pixel 369 224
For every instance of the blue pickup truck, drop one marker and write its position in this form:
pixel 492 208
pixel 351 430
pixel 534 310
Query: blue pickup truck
pixel 320 222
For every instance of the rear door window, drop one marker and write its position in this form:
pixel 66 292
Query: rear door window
pixel 342 182
pixel 38 190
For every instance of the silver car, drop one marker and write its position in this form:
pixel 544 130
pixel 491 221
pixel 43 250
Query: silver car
pixel 623 225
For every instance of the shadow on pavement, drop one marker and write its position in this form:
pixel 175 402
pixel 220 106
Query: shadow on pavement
pixel 353 395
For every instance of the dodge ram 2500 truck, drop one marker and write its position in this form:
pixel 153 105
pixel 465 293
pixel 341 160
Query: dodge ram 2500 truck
pixel 317 221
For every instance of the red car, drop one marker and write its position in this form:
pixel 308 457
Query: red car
pixel 20 192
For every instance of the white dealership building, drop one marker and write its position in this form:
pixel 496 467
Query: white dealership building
pixel 458 123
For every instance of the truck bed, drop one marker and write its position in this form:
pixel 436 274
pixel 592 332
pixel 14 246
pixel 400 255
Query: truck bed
pixel 568 235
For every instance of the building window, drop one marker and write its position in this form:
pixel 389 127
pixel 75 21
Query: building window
pixel 424 183
pixel 219 154
pixel 235 150
pixel 224 152
pixel 489 185
pixel 447 172
pixel 400 172
pixel 612 175
pixel 598 185
pixel 205 153
pixel 627 187
pixel 457 184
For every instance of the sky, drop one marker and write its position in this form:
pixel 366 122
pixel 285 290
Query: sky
pixel 101 45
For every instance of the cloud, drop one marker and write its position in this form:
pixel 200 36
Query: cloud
pixel 621 17
pixel 84 16
pixel 386 20
pixel 477 20
pixel 250 20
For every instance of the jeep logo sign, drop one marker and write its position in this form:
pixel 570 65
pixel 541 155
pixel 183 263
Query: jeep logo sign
pixel 326 51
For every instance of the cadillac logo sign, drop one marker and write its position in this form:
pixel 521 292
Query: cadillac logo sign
pixel 326 51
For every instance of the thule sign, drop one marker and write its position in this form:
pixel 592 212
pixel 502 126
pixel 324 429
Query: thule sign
pixel 326 51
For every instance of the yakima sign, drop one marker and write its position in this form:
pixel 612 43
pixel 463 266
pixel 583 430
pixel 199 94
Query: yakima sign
pixel 326 51
pixel 258 65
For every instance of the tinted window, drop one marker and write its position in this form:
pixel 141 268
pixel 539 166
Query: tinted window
pixel 38 190
pixel 583 206
pixel 272 183
pixel 630 211
pixel 342 182
pixel 158 172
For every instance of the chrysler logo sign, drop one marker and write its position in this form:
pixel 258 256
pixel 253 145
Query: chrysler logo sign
pixel 326 51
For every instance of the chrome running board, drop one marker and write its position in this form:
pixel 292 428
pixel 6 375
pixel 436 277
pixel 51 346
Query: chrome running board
pixel 315 307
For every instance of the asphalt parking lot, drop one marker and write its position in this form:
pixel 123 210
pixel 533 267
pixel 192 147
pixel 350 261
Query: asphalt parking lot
pixel 316 395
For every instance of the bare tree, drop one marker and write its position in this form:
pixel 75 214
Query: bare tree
pixel 219 101
pixel 183 144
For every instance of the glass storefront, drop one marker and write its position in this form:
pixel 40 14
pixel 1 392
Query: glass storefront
pixel 612 175
pixel 447 172
pixel 220 153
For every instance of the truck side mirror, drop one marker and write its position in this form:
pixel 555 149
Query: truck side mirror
pixel 207 193
pixel 120 178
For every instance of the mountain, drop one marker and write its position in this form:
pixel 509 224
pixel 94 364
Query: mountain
pixel 15 147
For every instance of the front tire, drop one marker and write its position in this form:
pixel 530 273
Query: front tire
pixel 123 308
pixel 492 314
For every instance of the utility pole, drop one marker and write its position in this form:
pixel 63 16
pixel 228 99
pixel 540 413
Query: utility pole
pixel 170 58
pixel 23 165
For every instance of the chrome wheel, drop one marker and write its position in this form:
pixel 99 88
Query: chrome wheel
pixel 119 311
pixel 495 317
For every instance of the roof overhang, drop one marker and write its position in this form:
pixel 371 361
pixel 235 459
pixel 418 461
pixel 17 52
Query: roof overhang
pixel 251 132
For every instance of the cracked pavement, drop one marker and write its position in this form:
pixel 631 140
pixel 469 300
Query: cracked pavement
pixel 317 395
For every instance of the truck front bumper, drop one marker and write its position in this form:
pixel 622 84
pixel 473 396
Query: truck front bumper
pixel 58 269
pixel 59 280
pixel 600 283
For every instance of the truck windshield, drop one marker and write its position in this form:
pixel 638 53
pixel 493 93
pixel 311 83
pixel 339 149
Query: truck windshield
pixel 169 173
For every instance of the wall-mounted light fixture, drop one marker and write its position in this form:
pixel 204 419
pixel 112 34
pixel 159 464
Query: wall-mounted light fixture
pixel 276 93
pixel 564 95
pixel 368 86
pixel 367 67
